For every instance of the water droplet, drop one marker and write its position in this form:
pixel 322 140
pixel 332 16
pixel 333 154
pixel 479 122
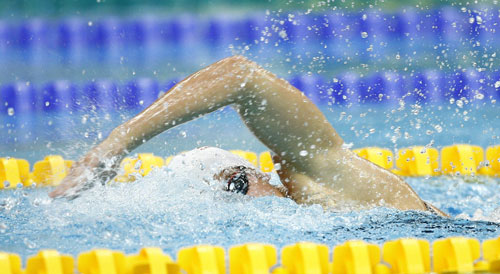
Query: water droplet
pixel 479 19
pixel 283 34
pixel 347 145
pixel 303 153
pixel 438 128
pixel 6 184
pixel 138 164
pixel 3 228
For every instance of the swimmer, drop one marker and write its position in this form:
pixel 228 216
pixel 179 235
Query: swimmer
pixel 313 164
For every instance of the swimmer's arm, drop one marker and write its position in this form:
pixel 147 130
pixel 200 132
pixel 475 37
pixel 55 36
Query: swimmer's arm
pixel 278 114
pixel 303 190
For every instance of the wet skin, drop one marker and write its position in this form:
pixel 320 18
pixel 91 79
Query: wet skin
pixel 258 183
pixel 313 165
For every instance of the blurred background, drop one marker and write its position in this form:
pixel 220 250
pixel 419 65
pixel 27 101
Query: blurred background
pixel 72 70
pixel 83 7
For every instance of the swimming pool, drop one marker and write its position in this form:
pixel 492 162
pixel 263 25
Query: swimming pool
pixel 152 211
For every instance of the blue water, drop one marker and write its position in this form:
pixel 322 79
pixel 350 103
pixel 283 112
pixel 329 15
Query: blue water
pixel 169 212
pixel 165 210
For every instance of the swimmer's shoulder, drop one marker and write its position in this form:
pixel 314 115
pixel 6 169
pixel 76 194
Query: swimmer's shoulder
pixel 305 190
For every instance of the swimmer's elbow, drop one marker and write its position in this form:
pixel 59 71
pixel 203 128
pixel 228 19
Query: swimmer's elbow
pixel 240 60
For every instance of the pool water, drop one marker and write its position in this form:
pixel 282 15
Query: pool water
pixel 166 210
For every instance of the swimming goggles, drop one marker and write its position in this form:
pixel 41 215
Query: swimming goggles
pixel 238 182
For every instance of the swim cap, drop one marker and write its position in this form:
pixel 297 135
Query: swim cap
pixel 201 164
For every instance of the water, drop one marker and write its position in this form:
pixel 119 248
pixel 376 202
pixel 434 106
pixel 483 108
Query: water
pixel 165 210
pixel 169 211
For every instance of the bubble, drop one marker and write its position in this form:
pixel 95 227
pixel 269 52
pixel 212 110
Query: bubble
pixel 303 153
pixel 497 84
pixel 364 34
pixel 10 111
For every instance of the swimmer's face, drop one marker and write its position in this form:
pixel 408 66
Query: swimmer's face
pixel 258 183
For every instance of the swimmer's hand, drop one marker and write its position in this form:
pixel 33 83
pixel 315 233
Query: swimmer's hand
pixel 95 167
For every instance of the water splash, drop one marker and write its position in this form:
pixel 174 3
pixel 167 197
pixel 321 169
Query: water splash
pixel 165 210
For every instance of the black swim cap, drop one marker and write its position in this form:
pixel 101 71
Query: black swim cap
pixel 238 183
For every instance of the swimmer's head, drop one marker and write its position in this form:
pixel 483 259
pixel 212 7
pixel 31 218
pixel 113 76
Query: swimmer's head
pixel 223 170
